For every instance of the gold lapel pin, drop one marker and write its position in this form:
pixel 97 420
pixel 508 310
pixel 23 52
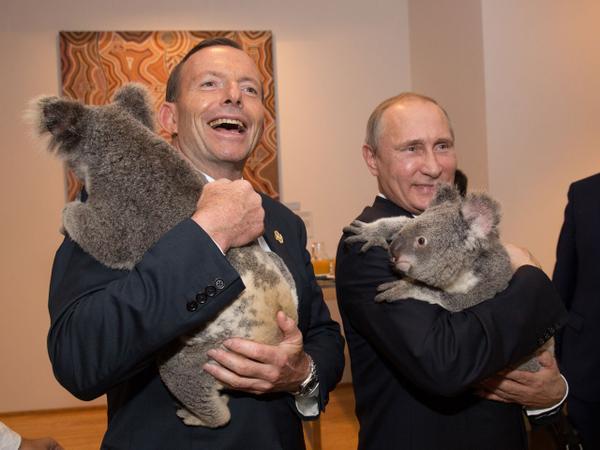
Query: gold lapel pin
pixel 278 236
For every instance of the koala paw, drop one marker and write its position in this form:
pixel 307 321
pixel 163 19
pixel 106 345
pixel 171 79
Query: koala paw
pixel 215 419
pixel 367 233
pixel 392 291
pixel 189 418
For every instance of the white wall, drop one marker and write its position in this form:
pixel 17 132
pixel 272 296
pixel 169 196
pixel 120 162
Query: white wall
pixel 334 61
pixel 543 108
pixel 447 64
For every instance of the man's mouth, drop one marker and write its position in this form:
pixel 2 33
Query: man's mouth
pixel 228 125
pixel 425 187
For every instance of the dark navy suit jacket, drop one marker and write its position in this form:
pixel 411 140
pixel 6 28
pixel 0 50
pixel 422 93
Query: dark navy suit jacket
pixel 108 325
pixel 413 363
pixel 577 278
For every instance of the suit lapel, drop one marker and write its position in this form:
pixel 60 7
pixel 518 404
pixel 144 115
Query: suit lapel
pixel 276 239
pixel 279 239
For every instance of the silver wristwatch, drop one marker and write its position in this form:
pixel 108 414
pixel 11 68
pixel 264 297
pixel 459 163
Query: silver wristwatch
pixel 311 382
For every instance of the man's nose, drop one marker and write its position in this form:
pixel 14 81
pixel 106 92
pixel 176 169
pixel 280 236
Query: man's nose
pixel 233 95
pixel 431 166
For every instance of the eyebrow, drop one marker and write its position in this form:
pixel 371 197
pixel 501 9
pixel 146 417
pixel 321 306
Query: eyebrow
pixel 446 140
pixel 411 142
pixel 221 74
pixel 239 80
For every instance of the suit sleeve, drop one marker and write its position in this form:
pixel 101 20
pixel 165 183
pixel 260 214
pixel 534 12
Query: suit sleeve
pixel 322 338
pixel 108 324
pixel 439 351
pixel 565 270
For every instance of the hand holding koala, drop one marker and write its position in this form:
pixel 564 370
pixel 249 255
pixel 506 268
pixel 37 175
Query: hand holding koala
pixel 230 212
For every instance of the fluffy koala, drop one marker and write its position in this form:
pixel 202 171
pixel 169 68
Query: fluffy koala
pixel 138 188
pixel 449 255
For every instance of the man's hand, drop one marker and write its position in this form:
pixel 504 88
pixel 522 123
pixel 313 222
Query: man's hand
pixel 39 444
pixel 534 390
pixel 260 368
pixel 520 256
pixel 230 212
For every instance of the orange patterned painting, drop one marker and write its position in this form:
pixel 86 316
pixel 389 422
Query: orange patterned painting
pixel 95 64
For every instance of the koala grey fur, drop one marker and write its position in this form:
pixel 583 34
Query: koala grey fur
pixel 450 255
pixel 138 188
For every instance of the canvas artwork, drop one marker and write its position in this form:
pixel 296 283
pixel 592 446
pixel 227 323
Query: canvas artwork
pixel 95 64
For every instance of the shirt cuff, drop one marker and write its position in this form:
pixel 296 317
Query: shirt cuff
pixel 536 412
pixel 9 439
pixel 308 405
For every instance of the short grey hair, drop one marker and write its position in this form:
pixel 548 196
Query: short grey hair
pixel 374 122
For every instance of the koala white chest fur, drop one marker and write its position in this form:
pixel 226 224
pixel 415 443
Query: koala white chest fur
pixel 450 255
pixel 138 188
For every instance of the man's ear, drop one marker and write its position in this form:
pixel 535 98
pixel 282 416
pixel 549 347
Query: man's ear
pixel 370 158
pixel 167 117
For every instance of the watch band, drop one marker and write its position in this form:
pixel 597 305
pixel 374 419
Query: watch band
pixel 311 382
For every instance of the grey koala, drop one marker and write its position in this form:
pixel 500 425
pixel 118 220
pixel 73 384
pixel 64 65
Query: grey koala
pixel 450 255
pixel 138 188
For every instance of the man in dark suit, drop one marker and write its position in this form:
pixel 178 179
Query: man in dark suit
pixel 577 278
pixel 415 366
pixel 107 326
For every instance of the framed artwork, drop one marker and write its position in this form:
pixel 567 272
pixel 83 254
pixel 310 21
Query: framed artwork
pixel 94 64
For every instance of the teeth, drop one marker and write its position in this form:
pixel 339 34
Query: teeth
pixel 217 122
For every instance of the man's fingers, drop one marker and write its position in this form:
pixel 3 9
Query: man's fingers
pixel 252 350
pixel 504 387
pixel 520 256
pixel 519 377
pixel 230 212
pixel 491 396
pixel 233 381
pixel 288 327
pixel 546 359
pixel 238 364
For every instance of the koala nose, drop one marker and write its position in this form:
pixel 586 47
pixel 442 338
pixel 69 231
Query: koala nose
pixel 396 247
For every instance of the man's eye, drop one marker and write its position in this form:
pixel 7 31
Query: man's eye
pixel 411 148
pixel 208 84
pixel 251 90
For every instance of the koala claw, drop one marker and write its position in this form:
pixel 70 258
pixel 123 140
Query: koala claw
pixel 392 291
pixel 356 227
pixel 363 232
pixel 386 286
pixel 368 243
pixel 385 296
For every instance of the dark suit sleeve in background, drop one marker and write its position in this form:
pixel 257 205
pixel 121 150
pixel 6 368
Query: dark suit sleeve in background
pixel 565 271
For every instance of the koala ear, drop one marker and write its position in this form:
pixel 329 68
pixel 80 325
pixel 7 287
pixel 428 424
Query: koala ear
pixel 482 214
pixel 62 118
pixel 134 98
pixel 445 193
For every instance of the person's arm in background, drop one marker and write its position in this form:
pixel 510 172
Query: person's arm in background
pixel 565 270
pixel 11 440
